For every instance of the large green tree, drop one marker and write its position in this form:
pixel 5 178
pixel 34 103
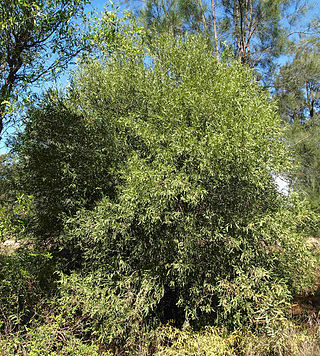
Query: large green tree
pixel 196 210
pixel 37 38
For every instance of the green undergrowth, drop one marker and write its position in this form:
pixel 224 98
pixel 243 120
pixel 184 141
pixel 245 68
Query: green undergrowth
pixel 56 337
pixel 27 279
pixel 95 314
pixel 289 339
pixel 50 338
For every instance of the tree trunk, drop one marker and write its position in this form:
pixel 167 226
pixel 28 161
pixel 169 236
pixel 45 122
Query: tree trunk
pixel 1 124
pixel 203 16
pixel 6 89
pixel 215 28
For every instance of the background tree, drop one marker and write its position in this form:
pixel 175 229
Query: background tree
pixel 37 39
pixel 256 30
pixel 174 16
pixel 298 90
pixel 298 87
pixel 180 16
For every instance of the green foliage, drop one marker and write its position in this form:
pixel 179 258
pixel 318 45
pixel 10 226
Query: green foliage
pixel 69 152
pixel 51 338
pixel 173 16
pixel 210 341
pixel 114 310
pixel 15 207
pixel 26 278
pixel 196 206
pixel 298 90
pixel 67 159
pixel 305 142
pixel 255 30
pixel 14 217
pixel 287 339
pixel 197 275
pixel 112 32
pixel 8 178
pixel 298 87
pixel 37 40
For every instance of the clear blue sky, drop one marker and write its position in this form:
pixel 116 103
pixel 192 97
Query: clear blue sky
pixel 99 5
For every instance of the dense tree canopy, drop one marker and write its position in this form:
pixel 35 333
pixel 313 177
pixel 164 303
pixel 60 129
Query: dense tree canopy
pixel 68 158
pixel 194 193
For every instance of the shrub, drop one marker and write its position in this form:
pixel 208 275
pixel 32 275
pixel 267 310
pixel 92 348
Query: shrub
pixel 66 160
pixel 26 280
pixel 196 206
pixel 51 338
pixel 287 339
pixel 15 207
pixel 15 217
pixel 113 310
pixel 210 341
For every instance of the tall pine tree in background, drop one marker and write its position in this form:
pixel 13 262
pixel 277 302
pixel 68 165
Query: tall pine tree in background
pixel 298 91
pixel 257 31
